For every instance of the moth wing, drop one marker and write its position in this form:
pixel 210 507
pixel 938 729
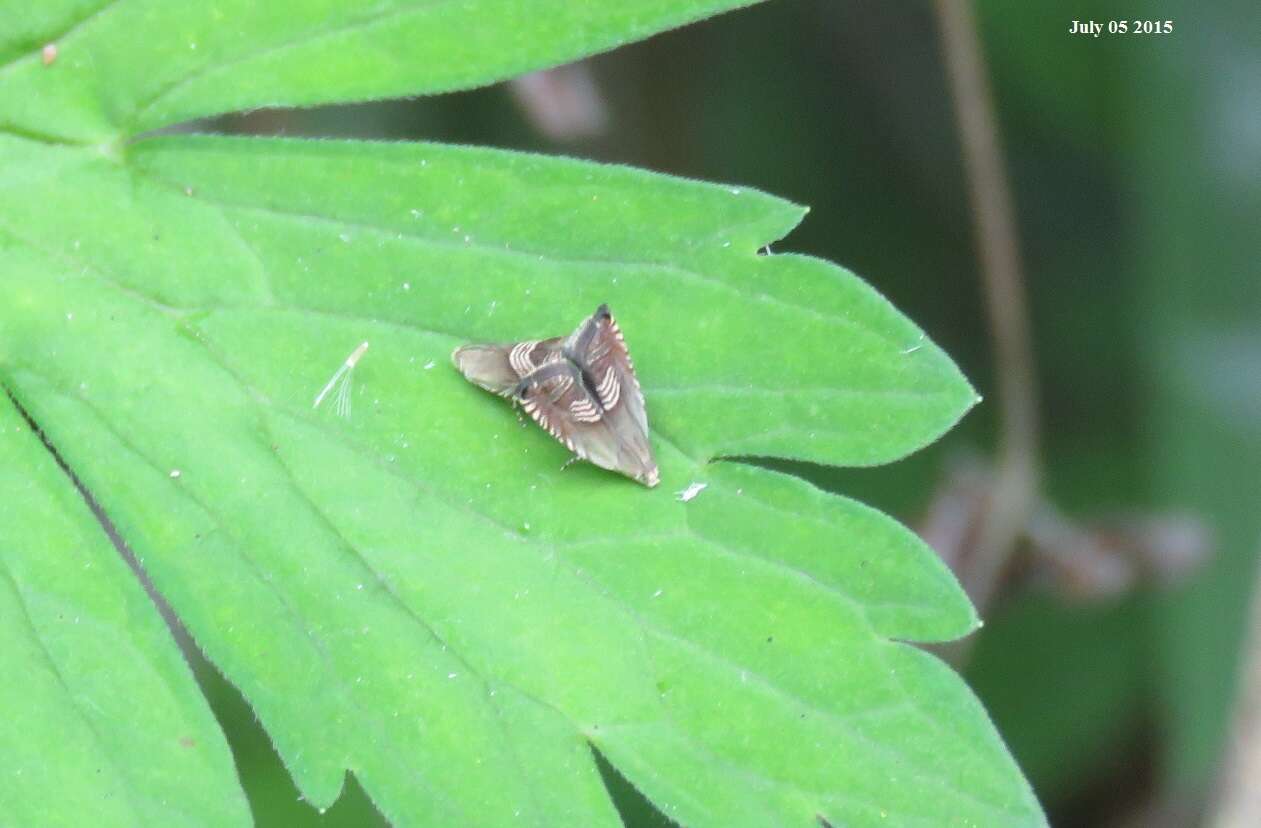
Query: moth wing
pixel 499 368
pixel 557 398
pixel 600 350
pixel 580 339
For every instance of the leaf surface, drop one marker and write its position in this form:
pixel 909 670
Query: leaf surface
pixel 127 66
pixel 418 593
pixel 99 714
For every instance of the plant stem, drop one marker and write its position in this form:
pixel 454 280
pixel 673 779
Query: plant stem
pixel 1013 495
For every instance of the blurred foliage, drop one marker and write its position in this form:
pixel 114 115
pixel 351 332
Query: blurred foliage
pixel 1195 175
pixel 1136 162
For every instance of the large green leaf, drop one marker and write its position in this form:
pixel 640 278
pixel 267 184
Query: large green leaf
pixel 126 66
pixel 418 594
pixel 98 713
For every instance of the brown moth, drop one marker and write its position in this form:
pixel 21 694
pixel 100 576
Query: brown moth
pixel 582 389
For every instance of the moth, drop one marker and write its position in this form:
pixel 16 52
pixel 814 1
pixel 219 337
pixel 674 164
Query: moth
pixel 581 389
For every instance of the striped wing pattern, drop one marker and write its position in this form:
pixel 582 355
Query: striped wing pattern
pixel 500 368
pixel 608 365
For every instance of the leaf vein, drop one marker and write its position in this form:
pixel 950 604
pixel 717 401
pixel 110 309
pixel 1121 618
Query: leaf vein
pixel 427 241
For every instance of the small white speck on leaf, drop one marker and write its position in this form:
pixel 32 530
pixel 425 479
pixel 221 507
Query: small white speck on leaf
pixel 657 594
pixel 691 492
pixel 175 473
pixel 916 346
pixel 430 364
pixel 452 675
pixel 407 286
pixel 49 53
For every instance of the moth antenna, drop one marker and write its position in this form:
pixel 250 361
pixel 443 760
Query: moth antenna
pixel 341 380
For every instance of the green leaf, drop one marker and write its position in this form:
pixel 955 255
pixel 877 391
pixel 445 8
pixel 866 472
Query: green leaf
pixel 127 66
pixel 417 593
pixel 99 713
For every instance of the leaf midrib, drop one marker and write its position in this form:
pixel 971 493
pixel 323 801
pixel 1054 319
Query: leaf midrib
pixel 395 234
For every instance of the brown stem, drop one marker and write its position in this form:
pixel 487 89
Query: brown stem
pixel 1016 483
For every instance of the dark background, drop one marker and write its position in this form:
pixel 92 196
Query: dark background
pixel 1135 162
